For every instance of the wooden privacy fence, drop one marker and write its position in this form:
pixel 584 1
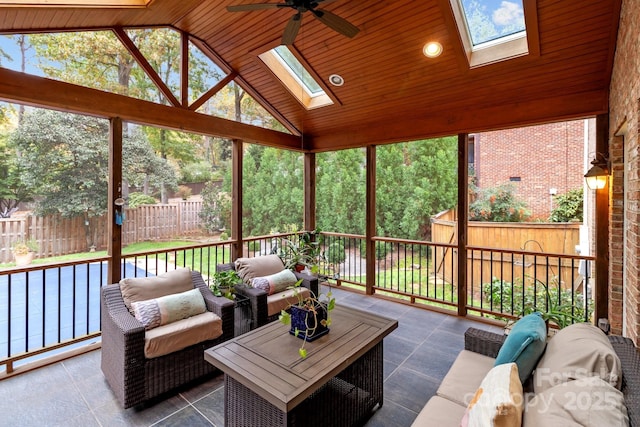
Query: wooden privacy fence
pixel 57 236
pixel 528 239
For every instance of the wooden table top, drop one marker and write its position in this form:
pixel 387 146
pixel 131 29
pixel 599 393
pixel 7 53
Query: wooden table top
pixel 266 360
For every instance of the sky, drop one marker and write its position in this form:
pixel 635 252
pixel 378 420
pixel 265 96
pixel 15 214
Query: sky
pixel 10 47
pixel 491 19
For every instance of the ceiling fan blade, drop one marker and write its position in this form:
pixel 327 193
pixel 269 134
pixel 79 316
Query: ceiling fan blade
pixel 250 7
pixel 291 30
pixel 336 23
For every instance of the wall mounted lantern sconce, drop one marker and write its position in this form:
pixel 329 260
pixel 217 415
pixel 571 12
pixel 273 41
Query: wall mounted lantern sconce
pixel 596 177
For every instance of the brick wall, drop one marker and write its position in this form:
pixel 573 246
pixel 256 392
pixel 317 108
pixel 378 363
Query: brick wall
pixel 624 105
pixel 556 162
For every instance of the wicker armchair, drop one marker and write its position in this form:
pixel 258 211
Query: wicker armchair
pixel 134 378
pixel 258 297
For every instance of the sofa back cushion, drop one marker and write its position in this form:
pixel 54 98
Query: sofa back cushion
pixel 524 344
pixel 577 351
pixel 250 268
pixel 146 288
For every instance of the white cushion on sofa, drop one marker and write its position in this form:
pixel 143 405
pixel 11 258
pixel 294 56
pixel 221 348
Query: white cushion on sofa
pixel 440 412
pixel 588 401
pixel 465 376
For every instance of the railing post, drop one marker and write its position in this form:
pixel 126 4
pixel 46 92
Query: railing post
pixel 114 192
pixel 309 191
pixel 463 198
pixel 236 199
pixel 371 218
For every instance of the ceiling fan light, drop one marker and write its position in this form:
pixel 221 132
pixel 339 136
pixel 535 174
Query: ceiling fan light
pixel 432 49
pixel 336 80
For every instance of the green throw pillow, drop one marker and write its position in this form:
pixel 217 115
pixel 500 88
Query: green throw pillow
pixel 524 345
pixel 169 308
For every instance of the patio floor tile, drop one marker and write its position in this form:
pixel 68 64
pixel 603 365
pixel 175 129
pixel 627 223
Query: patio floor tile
pixel 74 392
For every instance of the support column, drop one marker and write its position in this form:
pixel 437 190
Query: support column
pixel 236 198
pixel 602 227
pixel 370 231
pixel 310 191
pixel 114 192
pixel 463 209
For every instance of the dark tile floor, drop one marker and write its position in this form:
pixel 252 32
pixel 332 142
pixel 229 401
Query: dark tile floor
pixel 73 392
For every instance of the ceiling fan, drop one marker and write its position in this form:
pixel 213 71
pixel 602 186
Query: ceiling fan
pixel 329 19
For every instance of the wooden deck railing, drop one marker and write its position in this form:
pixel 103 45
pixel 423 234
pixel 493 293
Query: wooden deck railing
pixel 50 308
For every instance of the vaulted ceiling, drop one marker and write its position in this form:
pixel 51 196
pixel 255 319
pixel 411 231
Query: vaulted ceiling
pixel 392 92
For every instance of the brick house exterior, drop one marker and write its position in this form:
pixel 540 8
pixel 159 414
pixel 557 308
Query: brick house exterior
pixel 624 191
pixel 555 166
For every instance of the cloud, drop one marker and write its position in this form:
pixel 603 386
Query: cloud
pixel 509 13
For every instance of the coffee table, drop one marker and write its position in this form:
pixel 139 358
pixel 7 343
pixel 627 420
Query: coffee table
pixel 339 382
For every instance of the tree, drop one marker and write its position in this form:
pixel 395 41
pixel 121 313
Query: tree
pixel 340 193
pixel 415 181
pixel 64 159
pixel 12 189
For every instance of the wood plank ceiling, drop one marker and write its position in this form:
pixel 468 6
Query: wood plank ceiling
pixel 392 92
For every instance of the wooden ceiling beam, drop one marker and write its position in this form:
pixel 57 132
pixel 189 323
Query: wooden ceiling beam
pixel 144 64
pixel 468 120
pixel 41 92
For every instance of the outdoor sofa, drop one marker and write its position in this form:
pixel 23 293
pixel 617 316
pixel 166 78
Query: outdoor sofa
pixel 583 377
pixel 141 361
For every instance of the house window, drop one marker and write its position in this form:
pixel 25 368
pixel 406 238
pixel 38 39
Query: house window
pixel 297 78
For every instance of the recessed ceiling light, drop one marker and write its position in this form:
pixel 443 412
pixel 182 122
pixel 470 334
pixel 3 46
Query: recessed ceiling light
pixel 432 49
pixel 336 80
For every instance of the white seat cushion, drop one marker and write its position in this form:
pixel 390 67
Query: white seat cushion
pixel 175 336
pixel 465 376
pixel 440 412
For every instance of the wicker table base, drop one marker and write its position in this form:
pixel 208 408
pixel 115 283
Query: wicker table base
pixel 339 383
pixel 347 399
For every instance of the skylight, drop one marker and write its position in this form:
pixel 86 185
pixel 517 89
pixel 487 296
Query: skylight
pixel 495 30
pixel 295 77
pixel 491 20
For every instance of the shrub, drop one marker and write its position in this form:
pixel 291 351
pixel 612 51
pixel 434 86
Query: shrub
pixel 137 199
pixel 224 236
pixel 216 208
pixel 254 245
pixel 498 204
pixel 335 253
pixel 569 206
pixel 183 192
pixel 381 249
pixel 509 298
pixel 196 172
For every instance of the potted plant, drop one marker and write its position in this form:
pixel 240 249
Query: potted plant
pixel 24 251
pixel 303 253
pixel 309 316
pixel 223 283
